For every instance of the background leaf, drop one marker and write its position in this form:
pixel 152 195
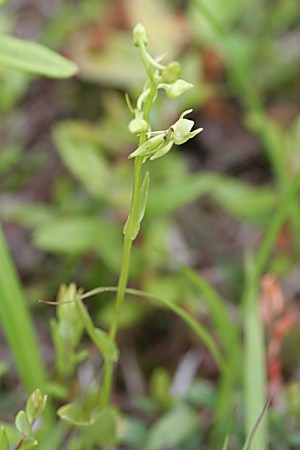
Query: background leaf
pixel 79 148
pixel 34 58
pixel 172 428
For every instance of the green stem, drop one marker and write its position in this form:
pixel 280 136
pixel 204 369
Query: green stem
pixel 127 246
pixel 123 278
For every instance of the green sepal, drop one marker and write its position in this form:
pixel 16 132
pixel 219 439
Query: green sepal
pixel 149 147
pixel 162 151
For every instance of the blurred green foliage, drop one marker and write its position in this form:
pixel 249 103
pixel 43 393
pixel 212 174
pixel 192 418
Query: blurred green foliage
pixel 244 54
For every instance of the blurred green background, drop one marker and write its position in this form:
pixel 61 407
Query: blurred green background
pixel 66 180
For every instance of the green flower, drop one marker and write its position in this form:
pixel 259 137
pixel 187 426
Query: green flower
pixel 175 89
pixel 162 141
pixel 182 129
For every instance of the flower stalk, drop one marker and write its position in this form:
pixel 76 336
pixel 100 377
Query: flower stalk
pixel 151 145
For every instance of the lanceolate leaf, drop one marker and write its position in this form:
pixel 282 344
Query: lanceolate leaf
pixel 34 58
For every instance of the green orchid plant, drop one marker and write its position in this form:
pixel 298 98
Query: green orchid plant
pixel 153 145
pixel 94 408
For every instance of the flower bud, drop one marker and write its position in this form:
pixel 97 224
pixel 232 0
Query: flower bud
pixel 139 35
pixel 137 126
pixel 171 73
pixel 174 90
pixel 35 405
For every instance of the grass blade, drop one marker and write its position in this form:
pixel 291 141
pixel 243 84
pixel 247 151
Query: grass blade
pixel 216 306
pixel 199 330
pixel 17 324
pixel 255 377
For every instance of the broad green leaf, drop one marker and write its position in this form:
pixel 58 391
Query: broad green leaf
pixel 22 424
pixel 168 197
pixel 78 145
pixel 243 200
pixel 71 235
pixel 34 58
pixel 32 214
pixel 75 235
pixel 238 198
pixel 82 411
pixel 172 429
pixel 4 444
pixel 76 414
pixel 103 432
pixel 202 394
pixel 133 434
